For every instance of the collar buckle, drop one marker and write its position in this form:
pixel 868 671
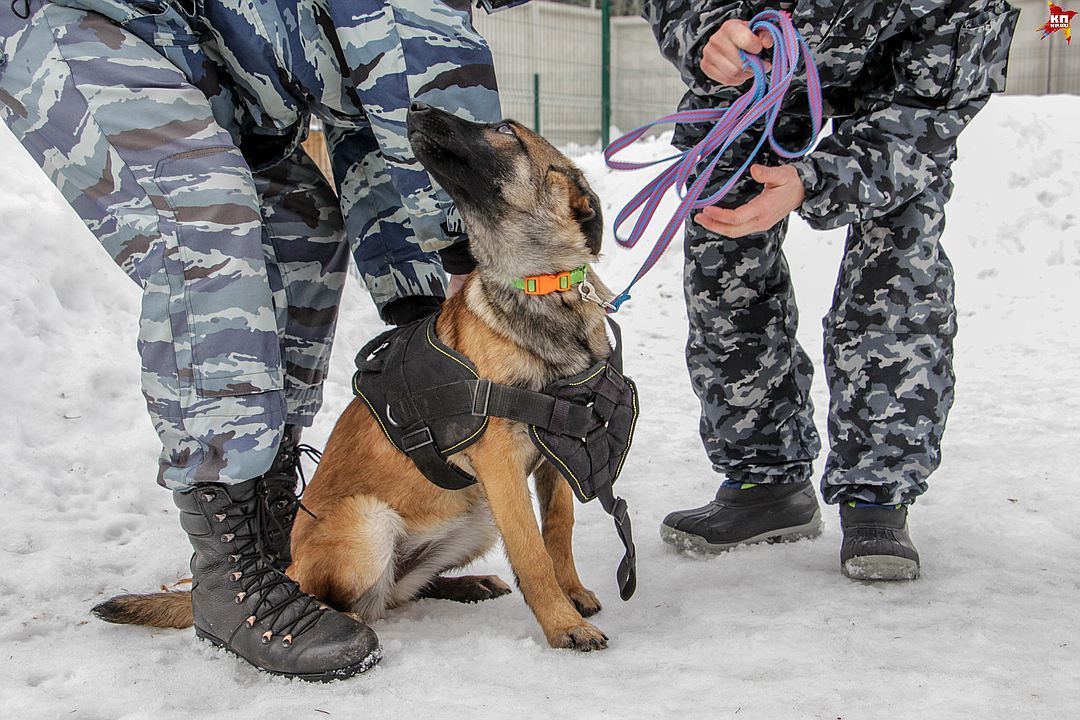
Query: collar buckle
pixel 547 284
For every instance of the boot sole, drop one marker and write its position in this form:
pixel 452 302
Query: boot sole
pixel 880 567
pixel 328 676
pixel 688 542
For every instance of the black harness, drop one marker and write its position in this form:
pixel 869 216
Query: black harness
pixel 431 403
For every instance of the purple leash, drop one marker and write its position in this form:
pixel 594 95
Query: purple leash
pixel 762 100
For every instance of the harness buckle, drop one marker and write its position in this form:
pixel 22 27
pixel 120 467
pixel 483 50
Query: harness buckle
pixel 483 387
pixel 425 437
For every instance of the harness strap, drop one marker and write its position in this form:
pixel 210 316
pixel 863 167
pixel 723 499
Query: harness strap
pixel 483 397
pixel 419 445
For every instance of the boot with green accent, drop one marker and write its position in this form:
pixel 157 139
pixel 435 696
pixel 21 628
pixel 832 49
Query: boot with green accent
pixel 745 513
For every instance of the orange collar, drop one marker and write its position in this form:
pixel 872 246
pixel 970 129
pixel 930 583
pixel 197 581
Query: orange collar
pixel 547 284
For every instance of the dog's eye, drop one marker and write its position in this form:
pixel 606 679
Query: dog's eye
pixel 506 129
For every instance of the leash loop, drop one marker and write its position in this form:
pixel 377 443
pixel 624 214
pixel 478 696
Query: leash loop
pixel 763 100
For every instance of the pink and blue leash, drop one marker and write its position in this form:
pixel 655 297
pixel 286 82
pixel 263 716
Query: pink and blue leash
pixel 762 100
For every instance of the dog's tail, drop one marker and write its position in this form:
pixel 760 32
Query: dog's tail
pixel 161 610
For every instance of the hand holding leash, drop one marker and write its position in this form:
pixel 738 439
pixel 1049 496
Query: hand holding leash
pixel 721 58
pixel 783 193
pixel 763 100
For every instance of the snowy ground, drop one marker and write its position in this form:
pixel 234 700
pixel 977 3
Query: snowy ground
pixel 990 631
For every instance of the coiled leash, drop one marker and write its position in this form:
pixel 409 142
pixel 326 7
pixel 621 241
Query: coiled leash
pixel 763 100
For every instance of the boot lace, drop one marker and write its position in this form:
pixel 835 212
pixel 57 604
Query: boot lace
pixel 277 598
pixel 25 13
pixel 283 503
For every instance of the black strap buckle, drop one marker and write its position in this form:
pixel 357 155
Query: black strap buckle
pixel 423 435
pixel 481 398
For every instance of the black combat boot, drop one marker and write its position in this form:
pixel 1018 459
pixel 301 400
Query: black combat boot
pixel 746 513
pixel 282 496
pixel 242 603
pixel 876 543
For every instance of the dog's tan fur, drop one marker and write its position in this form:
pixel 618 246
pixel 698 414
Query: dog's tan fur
pixel 380 534
pixel 373 506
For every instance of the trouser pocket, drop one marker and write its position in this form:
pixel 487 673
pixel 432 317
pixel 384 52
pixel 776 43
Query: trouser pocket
pixel 222 298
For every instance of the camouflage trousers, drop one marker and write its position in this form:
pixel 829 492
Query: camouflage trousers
pixel 888 353
pixel 241 273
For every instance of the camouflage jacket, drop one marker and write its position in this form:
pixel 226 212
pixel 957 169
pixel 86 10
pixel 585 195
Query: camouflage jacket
pixel 268 66
pixel 900 79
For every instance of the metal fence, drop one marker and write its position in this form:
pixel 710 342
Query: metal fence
pixel 548 61
pixel 1037 65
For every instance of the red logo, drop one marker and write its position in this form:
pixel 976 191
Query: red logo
pixel 1060 19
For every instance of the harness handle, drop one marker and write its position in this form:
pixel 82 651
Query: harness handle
pixel 626 574
pixel 763 100
pixel 364 360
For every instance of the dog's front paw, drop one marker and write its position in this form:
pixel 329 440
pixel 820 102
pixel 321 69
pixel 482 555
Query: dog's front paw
pixel 585 601
pixel 583 637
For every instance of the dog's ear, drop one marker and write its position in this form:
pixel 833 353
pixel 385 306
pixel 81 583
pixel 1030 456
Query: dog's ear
pixel 586 208
pixel 584 204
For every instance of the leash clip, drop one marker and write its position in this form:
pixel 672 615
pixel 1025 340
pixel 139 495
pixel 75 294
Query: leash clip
pixel 588 292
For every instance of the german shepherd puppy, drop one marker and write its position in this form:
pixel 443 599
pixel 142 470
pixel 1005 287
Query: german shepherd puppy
pixel 379 533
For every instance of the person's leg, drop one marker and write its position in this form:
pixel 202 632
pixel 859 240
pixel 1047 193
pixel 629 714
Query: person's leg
pixel 135 149
pixel 888 355
pixel 753 380
pixel 396 215
pixel 399 275
pixel 746 367
pixel 888 360
pixel 413 50
pixel 308 258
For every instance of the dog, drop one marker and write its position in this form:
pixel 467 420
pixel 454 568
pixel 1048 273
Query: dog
pixel 378 534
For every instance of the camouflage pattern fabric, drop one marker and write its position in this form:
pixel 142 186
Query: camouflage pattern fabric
pixel 132 110
pixel 901 81
pixel 355 66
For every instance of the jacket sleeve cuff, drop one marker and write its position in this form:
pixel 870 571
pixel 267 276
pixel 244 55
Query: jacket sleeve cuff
pixel 456 258
pixel 410 308
pixel 811 180
pixel 823 207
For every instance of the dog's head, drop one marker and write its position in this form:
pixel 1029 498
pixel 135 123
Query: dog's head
pixel 527 208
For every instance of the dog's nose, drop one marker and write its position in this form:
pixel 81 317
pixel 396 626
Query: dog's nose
pixel 419 107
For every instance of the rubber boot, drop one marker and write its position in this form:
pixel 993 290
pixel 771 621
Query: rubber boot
pixel 876 544
pixel 743 514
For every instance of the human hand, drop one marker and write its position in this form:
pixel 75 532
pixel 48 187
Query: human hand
pixel 720 59
pixel 783 193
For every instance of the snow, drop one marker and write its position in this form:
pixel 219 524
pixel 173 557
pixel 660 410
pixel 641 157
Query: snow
pixel 990 631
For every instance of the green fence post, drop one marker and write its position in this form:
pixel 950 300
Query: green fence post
pixel 536 103
pixel 605 73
